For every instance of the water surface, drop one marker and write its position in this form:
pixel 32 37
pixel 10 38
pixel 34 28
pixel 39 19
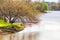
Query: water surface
pixel 50 26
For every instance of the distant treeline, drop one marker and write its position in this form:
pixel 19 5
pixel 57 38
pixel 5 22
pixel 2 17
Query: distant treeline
pixel 54 6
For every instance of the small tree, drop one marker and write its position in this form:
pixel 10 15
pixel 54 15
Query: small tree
pixel 44 6
pixel 10 9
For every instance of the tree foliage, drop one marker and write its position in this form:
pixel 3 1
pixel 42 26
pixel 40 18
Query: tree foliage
pixel 44 6
pixel 40 6
pixel 13 9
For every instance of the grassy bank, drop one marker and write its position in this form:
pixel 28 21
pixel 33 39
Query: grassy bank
pixel 6 27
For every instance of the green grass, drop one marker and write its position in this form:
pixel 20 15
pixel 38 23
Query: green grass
pixel 4 24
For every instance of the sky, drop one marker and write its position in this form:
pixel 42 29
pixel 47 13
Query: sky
pixel 51 0
pixel 48 0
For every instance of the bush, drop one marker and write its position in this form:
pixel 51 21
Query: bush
pixel 10 28
pixel 44 6
pixel 9 9
pixel 40 6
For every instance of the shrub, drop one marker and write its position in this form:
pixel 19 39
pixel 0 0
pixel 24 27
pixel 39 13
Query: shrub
pixel 10 9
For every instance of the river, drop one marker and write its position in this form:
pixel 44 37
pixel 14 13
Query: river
pixel 50 26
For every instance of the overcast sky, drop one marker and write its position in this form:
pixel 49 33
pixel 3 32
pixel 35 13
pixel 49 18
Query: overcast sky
pixel 51 0
pixel 48 0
